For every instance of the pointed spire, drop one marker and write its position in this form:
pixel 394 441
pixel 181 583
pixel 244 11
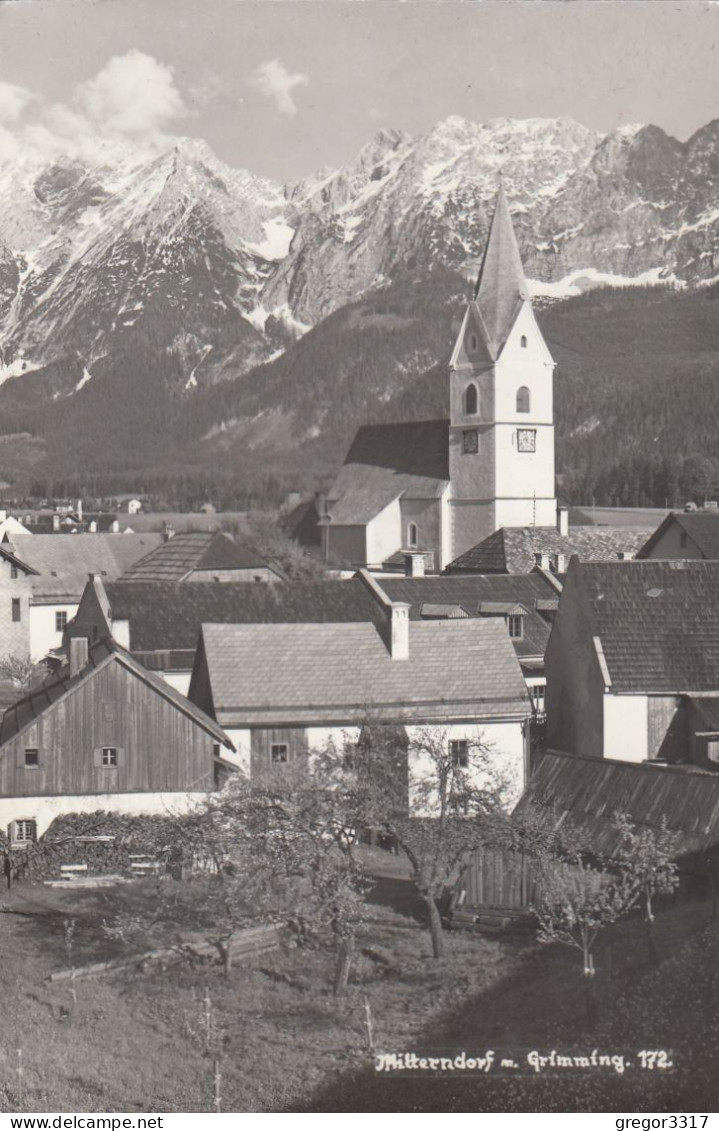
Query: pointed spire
pixel 501 286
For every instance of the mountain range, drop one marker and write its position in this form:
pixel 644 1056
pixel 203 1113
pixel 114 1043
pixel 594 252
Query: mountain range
pixel 180 315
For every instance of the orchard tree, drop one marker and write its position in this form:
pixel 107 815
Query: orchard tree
pixel 440 797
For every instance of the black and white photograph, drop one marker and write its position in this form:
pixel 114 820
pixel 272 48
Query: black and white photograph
pixel 359 560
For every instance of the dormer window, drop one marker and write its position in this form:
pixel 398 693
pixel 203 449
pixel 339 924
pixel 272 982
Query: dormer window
pixel 515 626
pixel 471 400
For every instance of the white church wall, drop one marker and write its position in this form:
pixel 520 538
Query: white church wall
pixel 384 534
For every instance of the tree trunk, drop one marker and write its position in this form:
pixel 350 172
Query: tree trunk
pixel 590 1000
pixel 651 943
pixel 435 926
pixel 343 966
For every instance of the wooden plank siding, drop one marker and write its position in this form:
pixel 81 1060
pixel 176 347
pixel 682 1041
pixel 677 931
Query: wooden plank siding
pixel 161 748
pixel 496 879
pixel 295 738
pixel 666 728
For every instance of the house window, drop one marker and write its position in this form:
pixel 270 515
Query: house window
pixel 523 341
pixel 523 399
pixel 16 608
pixel 60 621
pixel 25 832
pixel 459 753
pixel 109 756
pixel 515 626
pixel 537 693
pixel 32 756
pixel 412 534
pixel 526 439
pixel 13 571
pixel 471 400
pixel 278 753
pixel 470 442
pixel 713 750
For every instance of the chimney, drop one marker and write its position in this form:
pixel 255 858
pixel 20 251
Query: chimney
pixel 321 503
pixel 414 565
pixel 560 563
pixel 78 654
pixel 56 524
pixel 92 528
pixel 115 528
pixel 399 624
pixel 563 521
pixel 168 531
pixel 542 560
pixel 79 509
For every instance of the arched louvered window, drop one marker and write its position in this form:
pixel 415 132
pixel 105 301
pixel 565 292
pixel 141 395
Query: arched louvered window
pixel 523 399
pixel 412 534
pixel 471 401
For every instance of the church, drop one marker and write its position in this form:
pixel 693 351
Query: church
pixel 434 489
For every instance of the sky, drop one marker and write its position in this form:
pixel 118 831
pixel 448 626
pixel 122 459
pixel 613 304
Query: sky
pixel 286 87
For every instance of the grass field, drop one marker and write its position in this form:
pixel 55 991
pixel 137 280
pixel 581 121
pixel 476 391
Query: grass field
pixel 134 1042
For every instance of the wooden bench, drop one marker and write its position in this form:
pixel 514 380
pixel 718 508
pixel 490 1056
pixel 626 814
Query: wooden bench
pixel 144 865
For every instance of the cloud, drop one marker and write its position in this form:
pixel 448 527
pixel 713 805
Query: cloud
pixel 125 110
pixel 274 81
pixel 132 94
pixel 211 87
pixel 13 100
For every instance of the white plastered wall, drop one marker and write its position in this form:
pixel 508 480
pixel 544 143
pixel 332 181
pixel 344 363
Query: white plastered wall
pixel 626 727
pixel 44 810
pixel 384 534
pixel 43 634
pixel 504 742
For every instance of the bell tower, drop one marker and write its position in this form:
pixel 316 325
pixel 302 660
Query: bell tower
pixel 501 429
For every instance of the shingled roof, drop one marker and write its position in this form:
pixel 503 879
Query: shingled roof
pixel 169 616
pixel 588 792
pixel 658 622
pixel 63 561
pixel 31 706
pixel 514 549
pixel 386 461
pixel 501 287
pixel 282 675
pixel 182 554
pixel 702 528
pixel 471 592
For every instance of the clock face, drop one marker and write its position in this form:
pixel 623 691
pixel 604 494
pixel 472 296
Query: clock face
pixel 526 440
pixel 470 442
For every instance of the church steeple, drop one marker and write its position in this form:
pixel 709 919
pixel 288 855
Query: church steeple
pixel 501 287
pixel 501 419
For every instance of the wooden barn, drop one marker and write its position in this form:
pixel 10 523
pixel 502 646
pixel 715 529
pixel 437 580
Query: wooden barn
pixel 105 733
pixel 587 793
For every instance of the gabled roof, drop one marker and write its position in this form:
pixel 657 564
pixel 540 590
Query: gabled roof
pixel 170 616
pixel 470 592
pixel 701 527
pixel 180 555
pixel 513 549
pixel 587 792
pixel 273 675
pixel 387 461
pixel 32 706
pixel 501 287
pixel 63 561
pixel 658 622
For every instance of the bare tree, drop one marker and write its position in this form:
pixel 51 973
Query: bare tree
pixel 440 797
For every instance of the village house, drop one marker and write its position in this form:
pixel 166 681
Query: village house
pixel 442 486
pixel 160 623
pixel 104 734
pixel 42 578
pixel 684 535
pixel 521 549
pixel 200 555
pixel 632 662
pixel 282 691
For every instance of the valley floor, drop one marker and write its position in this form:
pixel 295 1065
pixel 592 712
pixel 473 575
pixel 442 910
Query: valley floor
pixel 133 1042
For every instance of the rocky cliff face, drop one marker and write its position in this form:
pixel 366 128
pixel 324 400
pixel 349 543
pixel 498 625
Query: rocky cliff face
pixel 176 276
